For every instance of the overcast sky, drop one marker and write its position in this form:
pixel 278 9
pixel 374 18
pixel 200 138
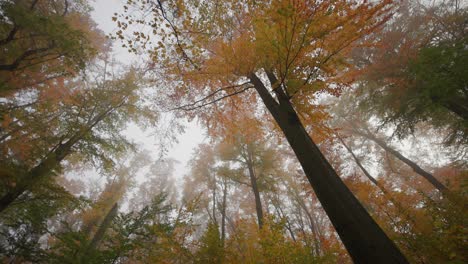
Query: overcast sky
pixel 194 135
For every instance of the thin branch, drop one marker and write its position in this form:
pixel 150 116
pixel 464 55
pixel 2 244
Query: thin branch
pixel 65 9
pixel 176 35
pixel 193 106
pixel 10 36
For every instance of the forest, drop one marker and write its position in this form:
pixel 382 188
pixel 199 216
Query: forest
pixel 334 131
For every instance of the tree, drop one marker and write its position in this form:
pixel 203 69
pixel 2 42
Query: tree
pixel 211 248
pixel 143 235
pixel 227 48
pixel 97 219
pixel 91 122
pixel 397 194
pixel 350 120
pixel 159 179
pixel 419 224
pixel 204 181
pixel 256 162
pixel 26 225
pixel 42 42
pixel 100 232
pixel 416 168
pixel 419 74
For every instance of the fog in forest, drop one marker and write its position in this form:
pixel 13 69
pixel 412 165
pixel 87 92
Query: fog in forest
pixel 233 131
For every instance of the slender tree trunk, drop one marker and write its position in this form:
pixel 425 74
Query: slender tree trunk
pixel 99 235
pixel 214 202
pixel 376 183
pixel 305 236
pixel 363 238
pixel 279 211
pixel 428 176
pixel 223 213
pixel 289 227
pixel 358 162
pixel 312 225
pixel 253 183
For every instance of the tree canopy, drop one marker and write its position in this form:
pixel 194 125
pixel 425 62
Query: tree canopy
pixel 334 132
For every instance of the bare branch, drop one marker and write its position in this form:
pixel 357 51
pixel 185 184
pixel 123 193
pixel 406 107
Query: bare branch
pixel 196 104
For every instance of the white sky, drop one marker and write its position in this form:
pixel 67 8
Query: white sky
pixel 194 135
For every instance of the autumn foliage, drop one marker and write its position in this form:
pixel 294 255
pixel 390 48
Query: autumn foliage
pixel 335 132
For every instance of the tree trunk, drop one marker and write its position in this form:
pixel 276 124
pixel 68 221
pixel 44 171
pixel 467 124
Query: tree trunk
pixel 358 162
pixel 99 235
pixel 305 236
pixel 428 176
pixel 223 213
pixel 363 238
pixel 458 106
pixel 253 183
pixel 312 225
pixel 282 215
pixel 376 183
pixel 42 170
pixel 213 196
pixel 51 161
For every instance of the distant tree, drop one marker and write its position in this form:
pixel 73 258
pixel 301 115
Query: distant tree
pixel 133 236
pixel 420 72
pixel 211 248
pixel 158 179
pixel 252 163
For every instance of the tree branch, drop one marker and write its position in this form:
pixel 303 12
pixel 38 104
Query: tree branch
pixel 176 35
pixel 15 64
pixel 193 106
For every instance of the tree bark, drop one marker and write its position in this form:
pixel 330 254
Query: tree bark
pixel 253 183
pixel 363 238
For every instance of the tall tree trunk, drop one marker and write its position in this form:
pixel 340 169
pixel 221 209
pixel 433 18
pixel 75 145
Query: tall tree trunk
pixel 281 215
pixel 363 238
pixel 223 213
pixel 99 235
pixel 253 183
pixel 376 183
pixel 213 197
pixel 312 225
pixel 428 176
